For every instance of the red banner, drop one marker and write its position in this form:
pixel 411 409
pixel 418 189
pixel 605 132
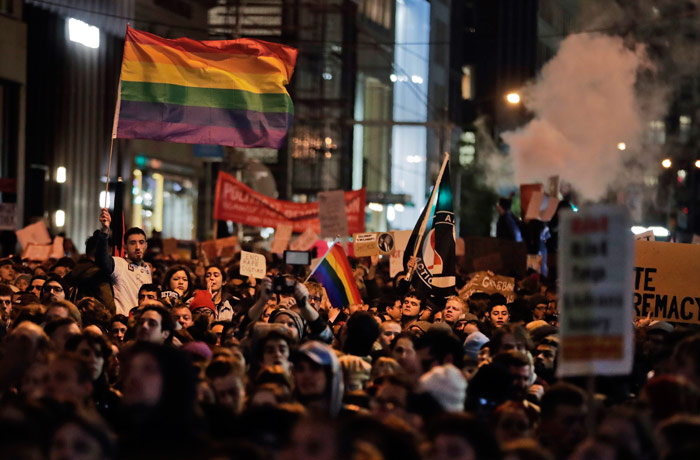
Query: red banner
pixel 239 203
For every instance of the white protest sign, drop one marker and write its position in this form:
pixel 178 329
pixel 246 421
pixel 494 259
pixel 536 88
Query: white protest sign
pixel 596 259
pixel 253 264
pixel 8 216
pixel 332 214
pixel 541 207
pixel 305 241
pixel 396 259
pixel 646 236
pixel 372 244
pixel 36 233
pixel 283 234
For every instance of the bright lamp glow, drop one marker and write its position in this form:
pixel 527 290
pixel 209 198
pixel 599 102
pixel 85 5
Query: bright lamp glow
pixel 697 163
pixel 60 218
pixel 513 98
pixel 398 207
pixel 666 163
pixel 621 146
pixel 61 174
pixel 83 33
pixel 658 231
pixel 377 207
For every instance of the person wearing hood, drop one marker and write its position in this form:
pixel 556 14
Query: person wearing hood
pixel 318 379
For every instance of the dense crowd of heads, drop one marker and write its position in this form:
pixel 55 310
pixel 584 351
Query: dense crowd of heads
pixel 209 364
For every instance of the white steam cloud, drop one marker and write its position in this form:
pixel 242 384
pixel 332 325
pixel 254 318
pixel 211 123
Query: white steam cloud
pixel 584 104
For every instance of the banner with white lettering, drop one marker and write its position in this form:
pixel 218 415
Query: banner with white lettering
pixel 596 261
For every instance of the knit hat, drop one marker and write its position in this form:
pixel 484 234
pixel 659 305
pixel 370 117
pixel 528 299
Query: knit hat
pixel 473 344
pixel 202 299
pixel 447 385
pixel 298 320
pixel 199 349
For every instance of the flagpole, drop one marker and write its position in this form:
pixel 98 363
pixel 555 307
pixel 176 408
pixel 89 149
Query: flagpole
pixel 425 218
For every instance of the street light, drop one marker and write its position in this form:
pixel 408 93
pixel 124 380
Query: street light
pixel 666 163
pixel 697 164
pixel 513 98
pixel 621 146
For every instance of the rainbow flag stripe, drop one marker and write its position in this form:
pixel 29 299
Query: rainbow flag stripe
pixel 226 92
pixel 335 274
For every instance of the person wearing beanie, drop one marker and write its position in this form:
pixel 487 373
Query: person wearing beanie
pixel 291 320
pixel 447 385
pixel 473 344
pixel 202 306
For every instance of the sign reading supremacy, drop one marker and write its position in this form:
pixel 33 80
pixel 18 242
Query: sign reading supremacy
pixel 596 270
pixel 667 281
pixel 239 203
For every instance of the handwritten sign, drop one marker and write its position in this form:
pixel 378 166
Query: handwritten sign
pixel 283 233
pixel 253 264
pixel 373 244
pixel 667 281
pixel 596 261
pixel 490 284
pixel 332 213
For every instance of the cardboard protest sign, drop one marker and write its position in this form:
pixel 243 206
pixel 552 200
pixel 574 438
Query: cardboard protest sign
pixel 490 284
pixel 553 186
pixel 214 248
pixel 526 191
pixel 305 241
pixel 8 216
pixel 373 244
pixel 541 207
pixel 332 213
pixel 57 248
pixel 646 236
pixel 36 233
pixel 283 233
pixel 596 279
pixel 401 238
pixel 253 264
pixel 667 281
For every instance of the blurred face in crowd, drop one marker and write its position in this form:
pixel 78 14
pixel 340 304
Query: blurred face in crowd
pixel 22 284
pixel 93 355
pixel 145 295
pixel 520 377
pixel 57 312
pixel 390 399
pixel 183 315
pixel 6 303
pixel 72 442
pixel 149 328
pixel 118 331
pixel 179 282
pixel 229 392
pixel 63 384
pixel 394 311
pixel 509 342
pixel 512 424
pixel 389 330
pixel 36 286
pixel 61 271
pixel 63 333
pixel 311 440
pixel 545 356
pixel 52 291
pixel 7 273
pixel 289 323
pixel 499 315
pixel 34 381
pixel 539 311
pixel 206 312
pixel 452 447
pixel 410 306
pixel 213 278
pixel 310 378
pixel 143 382
pixel 136 247
pixel 453 311
pixel 276 353
pixel 405 353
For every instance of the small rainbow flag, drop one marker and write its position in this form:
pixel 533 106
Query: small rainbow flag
pixel 335 274
pixel 225 92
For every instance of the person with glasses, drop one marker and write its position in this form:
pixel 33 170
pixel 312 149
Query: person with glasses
pixel 53 290
pixel 202 306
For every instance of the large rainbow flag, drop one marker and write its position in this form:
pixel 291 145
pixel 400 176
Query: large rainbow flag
pixel 335 274
pixel 225 92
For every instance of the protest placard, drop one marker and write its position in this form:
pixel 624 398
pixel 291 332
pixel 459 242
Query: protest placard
pixel 490 284
pixel 332 213
pixel 37 252
pixel 36 233
pixel 283 233
pixel 667 281
pixel 596 261
pixel 553 186
pixel 526 191
pixel 541 207
pixel 215 248
pixel 305 241
pixel 373 244
pixel 169 246
pixel 8 216
pixel 401 238
pixel 57 248
pixel 253 264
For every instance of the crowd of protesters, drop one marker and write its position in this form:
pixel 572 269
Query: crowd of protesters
pixel 105 357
